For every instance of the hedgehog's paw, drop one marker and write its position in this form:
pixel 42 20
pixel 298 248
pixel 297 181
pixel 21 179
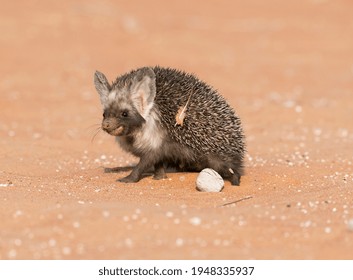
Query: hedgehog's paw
pixel 159 176
pixel 235 180
pixel 129 179
pixel 159 171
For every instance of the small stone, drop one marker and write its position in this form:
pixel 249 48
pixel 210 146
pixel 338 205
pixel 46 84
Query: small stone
pixel 209 181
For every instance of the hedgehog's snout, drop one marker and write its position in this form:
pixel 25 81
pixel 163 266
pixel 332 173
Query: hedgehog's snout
pixel 111 126
pixel 107 124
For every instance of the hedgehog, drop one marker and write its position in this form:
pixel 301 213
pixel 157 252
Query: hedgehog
pixel 171 119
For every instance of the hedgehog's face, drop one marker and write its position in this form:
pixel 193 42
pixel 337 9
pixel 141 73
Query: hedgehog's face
pixel 127 103
pixel 121 119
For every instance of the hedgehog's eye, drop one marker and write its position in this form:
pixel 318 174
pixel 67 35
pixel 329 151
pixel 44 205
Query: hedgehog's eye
pixel 104 114
pixel 124 114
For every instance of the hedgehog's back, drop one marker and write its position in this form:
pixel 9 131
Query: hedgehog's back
pixel 210 125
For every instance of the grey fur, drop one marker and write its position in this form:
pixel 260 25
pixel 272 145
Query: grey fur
pixel 210 136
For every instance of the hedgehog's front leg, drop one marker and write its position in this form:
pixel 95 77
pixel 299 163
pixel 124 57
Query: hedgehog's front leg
pixel 137 172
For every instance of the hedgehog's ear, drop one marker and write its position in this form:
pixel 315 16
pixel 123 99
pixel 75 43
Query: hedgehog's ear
pixel 143 90
pixel 102 86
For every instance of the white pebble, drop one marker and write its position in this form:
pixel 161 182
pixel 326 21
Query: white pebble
pixel 209 181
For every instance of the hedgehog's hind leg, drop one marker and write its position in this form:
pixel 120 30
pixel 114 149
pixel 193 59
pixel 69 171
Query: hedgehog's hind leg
pixel 159 171
pixel 236 170
pixel 228 171
pixel 230 174
pixel 234 178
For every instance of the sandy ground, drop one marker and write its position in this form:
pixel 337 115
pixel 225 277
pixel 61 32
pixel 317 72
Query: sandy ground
pixel 285 66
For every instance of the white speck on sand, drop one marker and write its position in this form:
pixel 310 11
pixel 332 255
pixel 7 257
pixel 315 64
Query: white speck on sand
pixel 196 221
pixel 106 214
pixel 328 230
pixel 12 254
pixel 66 251
pixel 18 242
pixel 17 213
pixel 128 242
pixel 52 242
pixel 350 225
pixel 179 242
pixel 169 214
pixel 76 224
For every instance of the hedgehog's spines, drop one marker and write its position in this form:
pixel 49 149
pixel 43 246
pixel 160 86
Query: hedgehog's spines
pixel 211 125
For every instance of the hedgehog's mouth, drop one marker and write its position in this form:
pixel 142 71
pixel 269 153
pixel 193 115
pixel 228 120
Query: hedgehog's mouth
pixel 117 131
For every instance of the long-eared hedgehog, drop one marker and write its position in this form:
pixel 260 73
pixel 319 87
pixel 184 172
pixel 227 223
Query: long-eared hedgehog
pixel 169 118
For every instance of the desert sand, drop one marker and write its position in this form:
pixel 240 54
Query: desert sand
pixel 285 66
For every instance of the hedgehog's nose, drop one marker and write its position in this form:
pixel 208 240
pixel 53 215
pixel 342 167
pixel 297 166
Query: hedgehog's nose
pixel 106 125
